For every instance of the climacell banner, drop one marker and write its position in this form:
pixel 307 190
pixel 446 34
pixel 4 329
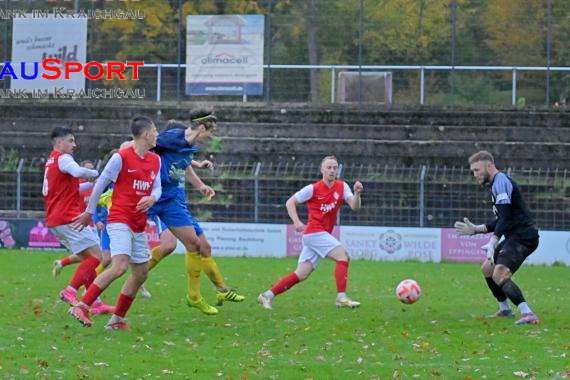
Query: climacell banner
pixel 224 55
pixel 36 39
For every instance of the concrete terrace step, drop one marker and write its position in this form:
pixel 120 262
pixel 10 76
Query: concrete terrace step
pixel 396 132
pixel 291 114
pixel 277 130
pixel 517 154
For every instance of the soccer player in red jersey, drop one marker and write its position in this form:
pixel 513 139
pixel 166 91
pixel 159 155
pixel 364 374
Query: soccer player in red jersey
pixel 85 188
pixel 324 199
pixel 61 193
pixel 135 172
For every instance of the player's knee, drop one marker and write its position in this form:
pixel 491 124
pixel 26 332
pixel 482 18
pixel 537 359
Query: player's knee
pixel 119 268
pixel 501 274
pixel 105 261
pixel 205 250
pixel 192 244
pixel 487 269
pixel 168 247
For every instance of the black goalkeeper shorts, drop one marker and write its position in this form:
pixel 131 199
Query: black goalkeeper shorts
pixel 513 252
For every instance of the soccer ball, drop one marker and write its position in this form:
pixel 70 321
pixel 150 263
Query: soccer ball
pixel 408 291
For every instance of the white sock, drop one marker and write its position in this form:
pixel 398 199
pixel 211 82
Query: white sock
pixel 269 294
pixel 524 309
pixel 114 319
pixel 504 305
pixel 341 296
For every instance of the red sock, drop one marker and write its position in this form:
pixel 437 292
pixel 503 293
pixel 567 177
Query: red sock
pixel 90 271
pixel 123 305
pixel 92 293
pixel 341 276
pixel 286 283
pixel 85 273
pixel 65 261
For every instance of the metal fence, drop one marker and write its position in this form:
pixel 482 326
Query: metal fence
pixel 394 195
pixel 356 35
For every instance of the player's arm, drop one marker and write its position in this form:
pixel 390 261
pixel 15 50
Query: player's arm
pixel 67 164
pixel 202 164
pixel 109 175
pixel 196 182
pixel 299 197
pixel 502 192
pixel 146 203
pixel 291 206
pixel 83 187
pixel 353 199
pixel 172 139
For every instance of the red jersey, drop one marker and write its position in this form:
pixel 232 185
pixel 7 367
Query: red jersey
pixel 60 192
pixel 85 196
pixel 323 206
pixel 134 181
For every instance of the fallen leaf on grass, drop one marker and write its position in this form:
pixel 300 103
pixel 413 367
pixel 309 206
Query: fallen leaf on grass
pixel 520 374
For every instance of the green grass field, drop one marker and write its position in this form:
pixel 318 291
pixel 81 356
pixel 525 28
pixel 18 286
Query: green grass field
pixel 447 334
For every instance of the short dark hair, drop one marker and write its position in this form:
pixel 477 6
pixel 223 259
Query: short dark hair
pixel 85 162
pixel 139 124
pixel 60 132
pixel 203 116
pixel 482 155
pixel 175 124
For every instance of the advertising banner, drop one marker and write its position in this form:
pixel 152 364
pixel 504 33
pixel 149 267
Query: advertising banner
pixel 224 55
pixel 462 248
pixel 246 239
pixel 392 244
pixel 554 246
pixel 36 39
pixel 281 240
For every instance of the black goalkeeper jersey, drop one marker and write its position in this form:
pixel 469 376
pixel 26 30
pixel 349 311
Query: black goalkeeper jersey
pixel 514 219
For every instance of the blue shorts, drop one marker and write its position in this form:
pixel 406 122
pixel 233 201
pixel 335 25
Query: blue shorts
pixel 105 241
pixel 173 213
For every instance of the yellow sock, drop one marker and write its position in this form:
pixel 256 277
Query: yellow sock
pixel 156 257
pixel 193 263
pixel 100 268
pixel 211 269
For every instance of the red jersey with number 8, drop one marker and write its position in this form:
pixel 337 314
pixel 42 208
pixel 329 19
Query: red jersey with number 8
pixel 60 192
pixel 134 181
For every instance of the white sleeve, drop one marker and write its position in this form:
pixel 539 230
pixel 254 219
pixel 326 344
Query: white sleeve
pixel 156 186
pixel 110 174
pixel 83 187
pixel 304 194
pixel 347 193
pixel 68 165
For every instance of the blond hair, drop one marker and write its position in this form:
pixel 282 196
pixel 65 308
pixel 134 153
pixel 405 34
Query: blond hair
pixel 331 157
pixel 482 155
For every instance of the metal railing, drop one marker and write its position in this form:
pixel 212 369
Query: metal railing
pixel 398 72
pixel 393 195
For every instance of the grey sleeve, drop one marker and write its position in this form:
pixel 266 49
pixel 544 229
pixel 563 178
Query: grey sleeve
pixel 110 174
pixel 502 189
pixel 68 165
pixel 157 186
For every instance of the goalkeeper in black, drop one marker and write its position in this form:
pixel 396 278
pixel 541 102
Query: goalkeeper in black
pixel 513 222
